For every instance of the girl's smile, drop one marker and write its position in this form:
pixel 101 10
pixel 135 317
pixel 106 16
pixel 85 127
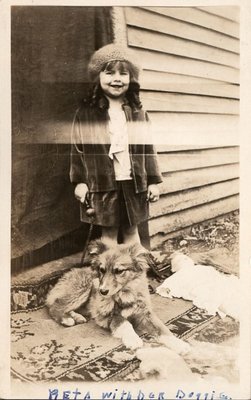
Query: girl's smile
pixel 114 82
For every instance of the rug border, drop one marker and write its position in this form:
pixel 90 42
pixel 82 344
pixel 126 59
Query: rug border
pixel 131 364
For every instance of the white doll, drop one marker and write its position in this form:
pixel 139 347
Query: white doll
pixel 206 287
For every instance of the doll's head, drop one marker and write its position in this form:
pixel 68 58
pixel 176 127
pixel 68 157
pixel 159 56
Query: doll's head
pixel 179 261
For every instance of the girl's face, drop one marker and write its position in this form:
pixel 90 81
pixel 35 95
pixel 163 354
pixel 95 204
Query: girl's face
pixel 115 79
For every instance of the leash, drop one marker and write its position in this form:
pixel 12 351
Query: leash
pixel 90 212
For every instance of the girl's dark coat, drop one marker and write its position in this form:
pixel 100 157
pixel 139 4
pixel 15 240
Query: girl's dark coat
pixel 90 162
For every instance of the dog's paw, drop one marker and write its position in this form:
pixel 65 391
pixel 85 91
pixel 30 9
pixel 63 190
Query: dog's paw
pixel 78 318
pixel 128 335
pixel 174 343
pixel 134 342
pixel 68 321
pixel 183 347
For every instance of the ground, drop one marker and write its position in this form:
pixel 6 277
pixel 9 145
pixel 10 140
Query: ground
pixel 214 239
pixel 221 232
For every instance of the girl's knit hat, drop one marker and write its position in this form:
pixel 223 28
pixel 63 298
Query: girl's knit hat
pixel 112 52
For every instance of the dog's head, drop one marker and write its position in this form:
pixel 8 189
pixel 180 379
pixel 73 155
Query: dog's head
pixel 117 266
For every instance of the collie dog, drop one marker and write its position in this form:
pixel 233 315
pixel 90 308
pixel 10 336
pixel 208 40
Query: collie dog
pixel 114 292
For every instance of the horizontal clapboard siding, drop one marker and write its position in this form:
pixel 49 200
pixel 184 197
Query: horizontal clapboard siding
pixel 181 47
pixel 157 61
pixel 230 12
pixel 176 221
pixel 198 184
pixel 162 24
pixel 190 87
pixel 177 45
pixel 190 198
pixel 197 159
pixel 176 121
pixel 205 17
pixel 182 180
pixel 178 83
pixel 187 128
pixel 155 101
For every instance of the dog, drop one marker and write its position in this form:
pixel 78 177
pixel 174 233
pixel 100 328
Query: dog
pixel 114 292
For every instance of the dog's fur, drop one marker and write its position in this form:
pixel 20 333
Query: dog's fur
pixel 114 289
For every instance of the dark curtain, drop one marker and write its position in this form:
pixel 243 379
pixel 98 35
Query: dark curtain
pixel 50 47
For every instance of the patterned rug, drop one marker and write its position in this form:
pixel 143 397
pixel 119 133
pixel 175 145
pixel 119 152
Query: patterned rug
pixel 43 351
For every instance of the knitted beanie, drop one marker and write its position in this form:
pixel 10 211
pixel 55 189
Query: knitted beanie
pixel 112 52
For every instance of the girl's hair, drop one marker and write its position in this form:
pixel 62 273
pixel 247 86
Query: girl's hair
pixel 132 94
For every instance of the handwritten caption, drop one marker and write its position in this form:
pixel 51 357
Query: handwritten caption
pixel 55 394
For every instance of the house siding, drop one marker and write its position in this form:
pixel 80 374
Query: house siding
pixel 190 87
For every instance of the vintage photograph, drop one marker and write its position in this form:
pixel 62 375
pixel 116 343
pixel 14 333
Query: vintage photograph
pixel 125 201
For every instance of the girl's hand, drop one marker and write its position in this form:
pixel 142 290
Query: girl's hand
pixel 153 193
pixel 80 192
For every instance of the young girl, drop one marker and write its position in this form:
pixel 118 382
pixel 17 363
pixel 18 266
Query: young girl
pixel 110 164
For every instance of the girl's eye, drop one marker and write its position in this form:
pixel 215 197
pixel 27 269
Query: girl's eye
pixel 101 270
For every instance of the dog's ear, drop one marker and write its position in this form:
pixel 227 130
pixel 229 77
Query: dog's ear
pixel 136 250
pixel 139 255
pixel 96 247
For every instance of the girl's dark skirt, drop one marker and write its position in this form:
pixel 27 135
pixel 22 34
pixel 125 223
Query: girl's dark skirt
pixel 122 207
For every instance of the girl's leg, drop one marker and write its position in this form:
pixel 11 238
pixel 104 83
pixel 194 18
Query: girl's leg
pixel 130 234
pixel 109 234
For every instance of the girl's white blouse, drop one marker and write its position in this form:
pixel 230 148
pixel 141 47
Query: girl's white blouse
pixel 119 149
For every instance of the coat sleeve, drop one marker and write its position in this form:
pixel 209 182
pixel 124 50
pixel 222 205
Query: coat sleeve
pixel 151 161
pixel 78 170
